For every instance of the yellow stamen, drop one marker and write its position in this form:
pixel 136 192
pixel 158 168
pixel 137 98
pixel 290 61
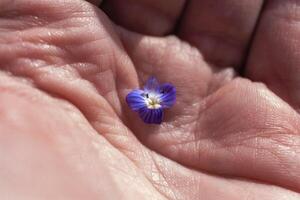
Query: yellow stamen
pixel 152 102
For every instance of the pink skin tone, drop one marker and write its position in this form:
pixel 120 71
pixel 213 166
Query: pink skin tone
pixel 67 133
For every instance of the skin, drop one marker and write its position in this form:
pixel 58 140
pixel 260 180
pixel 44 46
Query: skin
pixel 67 133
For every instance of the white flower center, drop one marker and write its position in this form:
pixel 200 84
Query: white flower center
pixel 152 101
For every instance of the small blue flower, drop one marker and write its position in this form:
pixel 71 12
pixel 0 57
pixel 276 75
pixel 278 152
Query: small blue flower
pixel 152 100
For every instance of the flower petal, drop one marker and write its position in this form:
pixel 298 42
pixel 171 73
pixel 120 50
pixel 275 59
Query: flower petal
pixel 136 100
pixel 168 95
pixel 151 84
pixel 151 116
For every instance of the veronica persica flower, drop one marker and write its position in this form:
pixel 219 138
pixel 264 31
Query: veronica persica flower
pixel 151 102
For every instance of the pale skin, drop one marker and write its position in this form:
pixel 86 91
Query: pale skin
pixel 67 133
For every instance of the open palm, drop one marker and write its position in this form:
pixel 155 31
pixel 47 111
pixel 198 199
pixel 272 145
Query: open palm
pixel 67 133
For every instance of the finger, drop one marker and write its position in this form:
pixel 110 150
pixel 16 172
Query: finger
pixel 274 58
pixel 220 29
pixel 152 17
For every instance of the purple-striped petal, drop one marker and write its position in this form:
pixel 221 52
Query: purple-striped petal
pixel 168 95
pixel 151 116
pixel 136 100
pixel 151 84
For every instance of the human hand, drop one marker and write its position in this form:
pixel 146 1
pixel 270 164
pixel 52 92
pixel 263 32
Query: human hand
pixel 67 133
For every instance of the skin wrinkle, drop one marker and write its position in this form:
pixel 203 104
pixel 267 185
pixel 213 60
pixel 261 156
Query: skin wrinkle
pixel 38 19
pixel 205 106
pixel 279 160
pixel 118 88
pixel 9 24
pixel 47 35
pixel 184 142
pixel 35 59
pixel 258 148
pixel 60 93
pixel 37 43
pixel 173 141
pixel 89 74
pixel 254 134
pixel 162 182
pixel 210 101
